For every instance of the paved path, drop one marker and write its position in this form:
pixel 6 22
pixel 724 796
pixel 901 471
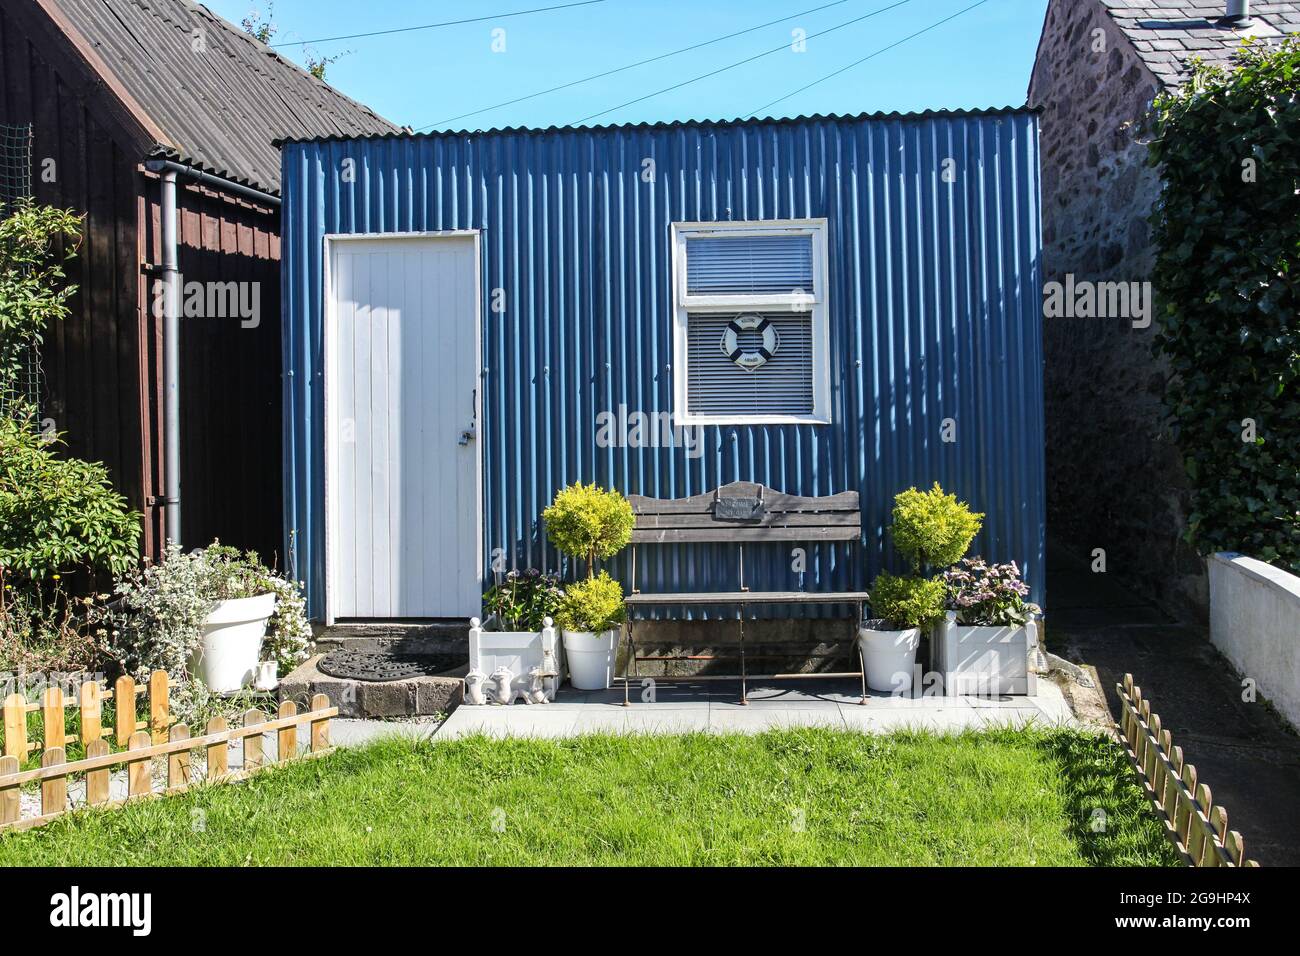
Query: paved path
pixel 713 706
pixel 1249 759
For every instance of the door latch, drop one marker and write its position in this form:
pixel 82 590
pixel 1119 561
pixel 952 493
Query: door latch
pixel 466 436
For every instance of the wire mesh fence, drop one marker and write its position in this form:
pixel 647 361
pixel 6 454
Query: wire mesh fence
pixel 16 185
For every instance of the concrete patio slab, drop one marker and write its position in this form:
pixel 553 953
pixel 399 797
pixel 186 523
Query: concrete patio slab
pixel 716 709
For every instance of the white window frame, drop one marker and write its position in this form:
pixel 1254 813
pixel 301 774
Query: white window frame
pixel 814 301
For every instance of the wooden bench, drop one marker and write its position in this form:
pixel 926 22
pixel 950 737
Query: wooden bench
pixel 741 513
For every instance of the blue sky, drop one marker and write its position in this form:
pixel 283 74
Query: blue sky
pixel 430 77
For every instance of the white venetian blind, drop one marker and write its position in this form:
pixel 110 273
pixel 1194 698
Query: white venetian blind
pixel 749 265
pixel 718 386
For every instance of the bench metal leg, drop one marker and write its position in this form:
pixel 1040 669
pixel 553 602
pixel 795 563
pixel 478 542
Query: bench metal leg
pixel 862 660
pixel 744 676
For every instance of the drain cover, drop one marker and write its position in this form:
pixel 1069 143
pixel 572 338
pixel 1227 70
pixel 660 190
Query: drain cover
pixel 385 666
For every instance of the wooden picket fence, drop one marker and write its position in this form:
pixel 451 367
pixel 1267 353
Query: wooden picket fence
pixel 1196 825
pixel 144 740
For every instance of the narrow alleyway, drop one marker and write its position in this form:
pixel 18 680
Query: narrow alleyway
pixel 1243 751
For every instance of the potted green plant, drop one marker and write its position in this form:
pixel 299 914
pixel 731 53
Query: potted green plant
pixel 212 615
pixel 902 607
pixel 590 616
pixel 588 524
pixel 989 631
pixel 932 530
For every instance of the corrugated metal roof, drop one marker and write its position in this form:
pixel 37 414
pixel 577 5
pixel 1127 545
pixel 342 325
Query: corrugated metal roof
pixel 1169 34
pixel 673 124
pixel 221 97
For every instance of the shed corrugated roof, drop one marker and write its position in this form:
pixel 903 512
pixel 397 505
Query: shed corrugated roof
pixel 678 124
pixel 221 97
pixel 1168 34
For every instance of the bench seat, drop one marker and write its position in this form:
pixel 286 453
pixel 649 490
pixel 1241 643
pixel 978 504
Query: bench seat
pixel 741 513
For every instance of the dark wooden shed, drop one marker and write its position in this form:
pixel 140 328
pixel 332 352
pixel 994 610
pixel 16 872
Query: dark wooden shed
pixel 108 86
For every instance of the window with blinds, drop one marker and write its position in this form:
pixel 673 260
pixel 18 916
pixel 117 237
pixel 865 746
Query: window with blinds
pixel 718 386
pixel 749 265
pixel 751 341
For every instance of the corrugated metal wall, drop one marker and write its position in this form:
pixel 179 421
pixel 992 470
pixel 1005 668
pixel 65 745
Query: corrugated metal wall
pixel 934 314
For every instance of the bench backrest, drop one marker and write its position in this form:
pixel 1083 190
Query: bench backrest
pixel 744 512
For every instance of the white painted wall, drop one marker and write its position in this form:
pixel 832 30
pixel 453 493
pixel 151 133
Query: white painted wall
pixel 1255 622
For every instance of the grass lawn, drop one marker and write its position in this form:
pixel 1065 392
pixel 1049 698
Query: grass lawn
pixel 804 796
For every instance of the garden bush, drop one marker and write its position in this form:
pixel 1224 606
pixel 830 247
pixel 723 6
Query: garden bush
pixel 523 600
pixel 1227 231
pixel 594 605
pixel 588 522
pixel 56 513
pixel 163 607
pixel 35 242
pixel 904 602
pixel 932 529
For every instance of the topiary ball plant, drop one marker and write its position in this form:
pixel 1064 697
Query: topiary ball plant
pixel 593 606
pixel 589 523
pixel 932 529
pixel 905 603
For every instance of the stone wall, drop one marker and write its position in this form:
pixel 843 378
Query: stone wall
pixel 1114 477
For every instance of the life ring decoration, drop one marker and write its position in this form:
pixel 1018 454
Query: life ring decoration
pixel 753 358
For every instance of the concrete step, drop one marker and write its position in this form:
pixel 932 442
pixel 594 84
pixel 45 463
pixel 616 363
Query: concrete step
pixel 438 638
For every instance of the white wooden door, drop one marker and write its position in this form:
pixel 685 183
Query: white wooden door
pixel 403 357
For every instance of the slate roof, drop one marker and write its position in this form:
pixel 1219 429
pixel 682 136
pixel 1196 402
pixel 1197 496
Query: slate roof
pixel 221 108
pixel 1169 33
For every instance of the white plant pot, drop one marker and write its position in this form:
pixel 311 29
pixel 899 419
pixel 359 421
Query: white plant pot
pixel 889 658
pixel 591 658
pixel 984 660
pixel 228 653
pixel 502 664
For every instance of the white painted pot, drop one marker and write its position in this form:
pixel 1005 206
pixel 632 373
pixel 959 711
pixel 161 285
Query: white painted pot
pixel 889 658
pixel 591 658
pixel 228 654
pixel 983 660
pixel 519 653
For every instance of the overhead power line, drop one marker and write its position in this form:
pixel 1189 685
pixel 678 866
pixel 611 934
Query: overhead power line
pixel 444 23
pixel 751 59
pixel 870 56
pixel 630 66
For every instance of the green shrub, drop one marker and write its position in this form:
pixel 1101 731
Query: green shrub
pixel 931 529
pixel 523 600
pixel 163 608
pixel 906 602
pixel 594 605
pixel 1227 278
pixel 57 514
pixel 35 242
pixel 589 523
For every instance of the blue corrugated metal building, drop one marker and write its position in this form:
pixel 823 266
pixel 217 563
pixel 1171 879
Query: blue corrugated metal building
pixel 924 356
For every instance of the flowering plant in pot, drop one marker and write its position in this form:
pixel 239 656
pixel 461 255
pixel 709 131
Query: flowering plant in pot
pixel 211 615
pixel 930 529
pixel 591 616
pixel 589 523
pixel 989 629
pixel 522 600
